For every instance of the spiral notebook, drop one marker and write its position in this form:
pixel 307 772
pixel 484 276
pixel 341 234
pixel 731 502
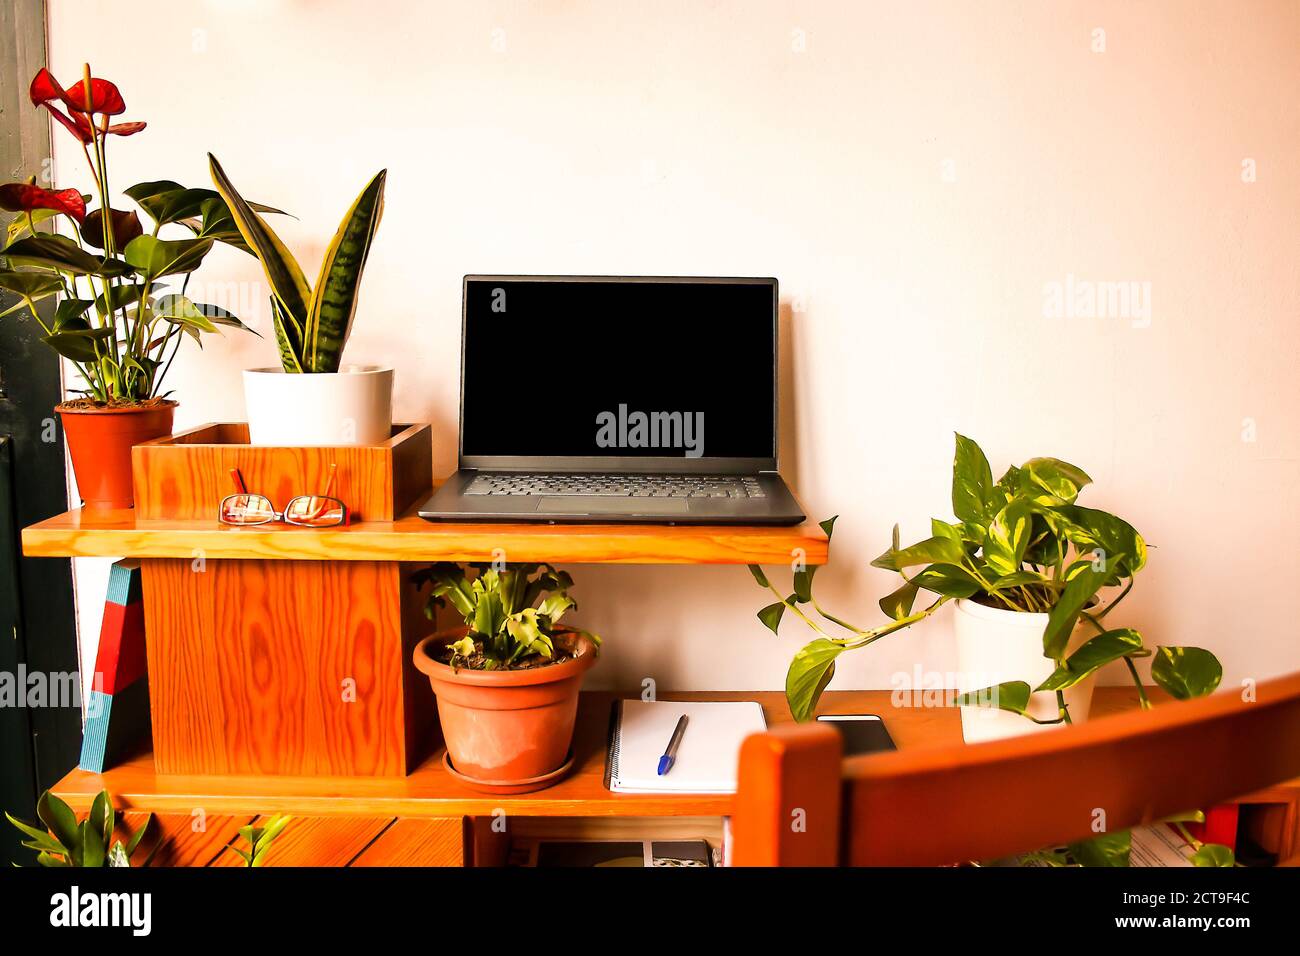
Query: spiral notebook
pixel 706 758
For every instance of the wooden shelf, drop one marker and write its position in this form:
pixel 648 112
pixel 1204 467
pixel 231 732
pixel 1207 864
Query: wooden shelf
pixel 430 792
pixel 85 533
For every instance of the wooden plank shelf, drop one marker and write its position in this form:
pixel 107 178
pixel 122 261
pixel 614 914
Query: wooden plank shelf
pixel 430 792
pixel 89 533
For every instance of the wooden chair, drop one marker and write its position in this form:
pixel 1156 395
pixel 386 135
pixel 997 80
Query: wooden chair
pixel 800 804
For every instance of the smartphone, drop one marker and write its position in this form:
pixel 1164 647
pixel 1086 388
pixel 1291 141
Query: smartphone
pixel 862 733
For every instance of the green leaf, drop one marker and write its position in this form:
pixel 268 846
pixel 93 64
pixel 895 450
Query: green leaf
pixel 1018 579
pixel 1214 855
pixel 32 285
pixel 1109 849
pixel 1011 695
pixel 92 846
pixel 102 817
pixel 179 310
pixel 118 297
pixel 1093 655
pixel 154 258
pixel 139 834
pixel 274 827
pixel 78 345
pixel 1008 537
pixel 38 836
pixel 53 252
pixel 759 576
pixel 288 337
pixel 972 481
pixel 810 672
pixel 1059 478
pixel 771 615
pixel 803 584
pixel 898 604
pixel 58 819
pixel 288 285
pixel 1079 590
pixel 1186 672
pixel 828 526
pixel 69 311
pixel 1089 528
pixel 18 226
pixel 938 549
pixel 555 606
pixel 334 303
pixel 948 580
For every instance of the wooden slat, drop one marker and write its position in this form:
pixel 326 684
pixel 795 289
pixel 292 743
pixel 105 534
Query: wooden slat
pixel 81 533
pixel 314 841
pixel 183 845
pixel 430 792
pixel 414 842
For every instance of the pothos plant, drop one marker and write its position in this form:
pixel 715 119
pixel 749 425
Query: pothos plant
pixel 62 841
pixel 117 320
pixel 1021 543
pixel 512 612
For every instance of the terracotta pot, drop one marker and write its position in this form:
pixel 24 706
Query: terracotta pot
pixel 505 727
pixel 100 441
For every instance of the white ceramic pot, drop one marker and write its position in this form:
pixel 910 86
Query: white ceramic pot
pixel 353 406
pixel 995 645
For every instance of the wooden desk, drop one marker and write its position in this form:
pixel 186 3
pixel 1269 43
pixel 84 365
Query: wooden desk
pixel 287 651
pixel 115 534
pixel 425 817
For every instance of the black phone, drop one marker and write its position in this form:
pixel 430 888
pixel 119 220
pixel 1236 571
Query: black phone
pixel 862 733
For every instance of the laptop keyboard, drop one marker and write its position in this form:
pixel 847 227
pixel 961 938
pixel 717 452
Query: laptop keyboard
pixel 618 486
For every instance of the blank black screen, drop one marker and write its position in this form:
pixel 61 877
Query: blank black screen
pixel 549 366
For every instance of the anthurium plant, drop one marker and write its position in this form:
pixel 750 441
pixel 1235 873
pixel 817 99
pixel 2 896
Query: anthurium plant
pixel 512 612
pixel 311 324
pixel 118 319
pixel 1020 543
pixel 62 841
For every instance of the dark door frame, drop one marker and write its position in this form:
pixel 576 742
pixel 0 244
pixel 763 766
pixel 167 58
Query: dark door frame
pixel 38 635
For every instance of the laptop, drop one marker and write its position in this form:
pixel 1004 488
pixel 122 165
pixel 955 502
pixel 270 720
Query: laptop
pixel 617 399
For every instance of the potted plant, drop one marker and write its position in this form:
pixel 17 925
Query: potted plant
pixel 507 681
pixel 1032 575
pixel 117 322
pixel 313 399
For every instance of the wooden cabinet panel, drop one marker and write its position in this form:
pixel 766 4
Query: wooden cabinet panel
pixel 183 845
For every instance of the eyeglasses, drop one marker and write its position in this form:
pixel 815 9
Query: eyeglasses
pixel 308 511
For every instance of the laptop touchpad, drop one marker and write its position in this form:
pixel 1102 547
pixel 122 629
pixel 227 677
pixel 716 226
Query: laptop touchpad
pixel 601 506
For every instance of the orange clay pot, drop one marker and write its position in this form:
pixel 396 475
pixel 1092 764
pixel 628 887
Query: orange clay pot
pixel 100 441
pixel 505 727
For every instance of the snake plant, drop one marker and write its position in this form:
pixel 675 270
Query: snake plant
pixel 311 324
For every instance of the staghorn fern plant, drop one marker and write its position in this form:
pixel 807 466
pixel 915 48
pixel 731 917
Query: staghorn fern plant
pixel 311 325
pixel 512 612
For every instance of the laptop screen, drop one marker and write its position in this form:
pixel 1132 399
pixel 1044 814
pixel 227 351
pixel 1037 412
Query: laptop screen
pixel 598 370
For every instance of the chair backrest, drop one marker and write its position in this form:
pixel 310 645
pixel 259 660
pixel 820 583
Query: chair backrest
pixel 800 804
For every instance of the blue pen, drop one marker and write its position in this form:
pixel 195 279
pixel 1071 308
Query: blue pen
pixel 670 755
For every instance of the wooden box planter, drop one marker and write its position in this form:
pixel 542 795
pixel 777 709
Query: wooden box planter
pixel 185 476
pixel 282 667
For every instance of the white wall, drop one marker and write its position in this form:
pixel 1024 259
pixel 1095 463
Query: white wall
pixel 914 173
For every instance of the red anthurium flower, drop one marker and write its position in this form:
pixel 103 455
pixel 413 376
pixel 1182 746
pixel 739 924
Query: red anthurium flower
pixel 24 197
pixel 104 98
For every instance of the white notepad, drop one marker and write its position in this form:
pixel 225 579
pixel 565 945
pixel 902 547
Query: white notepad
pixel 706 758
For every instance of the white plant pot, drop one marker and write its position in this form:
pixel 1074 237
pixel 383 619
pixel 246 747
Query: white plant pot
pixel 353 406
pixel 995 645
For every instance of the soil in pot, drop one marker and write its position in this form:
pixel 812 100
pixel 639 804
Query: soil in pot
pixel 506 726
pixel 100 438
